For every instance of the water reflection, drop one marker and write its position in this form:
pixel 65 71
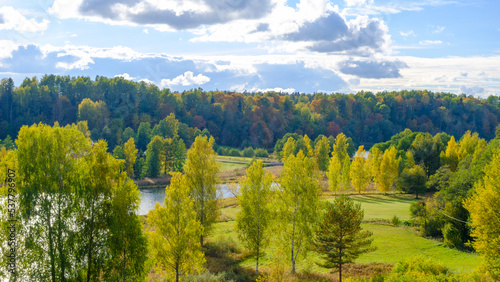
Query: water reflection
pixel 149 197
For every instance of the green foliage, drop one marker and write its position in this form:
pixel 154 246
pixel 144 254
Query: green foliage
pixel 74 204
pixel 395 221
pixel 261 153
pixel 484 208
pixel 360 171
pixel 419 268
pixel 118 153
pixel 322 153
pixel 339 236
pixel 255 214
pixel 175 231
pixel 298 203
pixel 130 154
pixel 451 236
pixel 248 152
pixel 201 176
pixel 234 153
pixel 414 180
pixel 154 157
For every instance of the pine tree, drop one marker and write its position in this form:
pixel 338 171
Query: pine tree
pixel 340 237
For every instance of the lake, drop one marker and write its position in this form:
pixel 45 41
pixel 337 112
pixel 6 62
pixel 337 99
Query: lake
pixel 149 197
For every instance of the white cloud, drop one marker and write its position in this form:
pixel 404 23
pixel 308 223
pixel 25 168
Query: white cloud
pixel 186 79
pixel 275 89
pixel 146 31
pixel 430 42
pixel 408 33
pixel 125 76
pixel 13 19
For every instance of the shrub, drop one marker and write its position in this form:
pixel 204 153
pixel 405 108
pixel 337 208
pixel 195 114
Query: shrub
pixel 248 152
pixel 222 151
pixel 261 153
pixel 234 153
pixel 451 236
pixel 395 221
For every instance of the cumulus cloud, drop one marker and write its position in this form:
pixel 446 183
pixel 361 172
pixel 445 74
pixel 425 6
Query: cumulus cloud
pixel 11 19
pixel 330 27
pixel 174 14
pixel 474 90
pixel 373 69
pixel 125 76
pixel 186 79
pixel 364 36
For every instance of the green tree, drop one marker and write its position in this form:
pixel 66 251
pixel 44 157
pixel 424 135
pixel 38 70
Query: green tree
pixel 95 113
pixel 322 153
pixel 340 148
pixel 334 174
pixel 450 156
pixel 299 203
pixel 201 175
pixel 154 156
pixel 339 236
pixel 118 152
pixel 389 170
pixel 414 180
pixel 255 214
pixel 288 149
pixel 175 231
pixel 130 154
pixel 143 135
pixel 127 241
pixel 484 209
pixel 48 177
pixel 360 173
pixel 374 160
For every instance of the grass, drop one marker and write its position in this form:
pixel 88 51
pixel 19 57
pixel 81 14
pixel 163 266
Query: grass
pixel 384 206
pixel 393 243
pixel 231 166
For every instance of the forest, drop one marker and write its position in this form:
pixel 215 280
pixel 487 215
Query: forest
pixel 354 172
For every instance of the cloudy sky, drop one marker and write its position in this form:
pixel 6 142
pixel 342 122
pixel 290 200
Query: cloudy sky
pixel 258 45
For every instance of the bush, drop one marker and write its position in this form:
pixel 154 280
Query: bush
pixel 261 153
pixel 248 152
pixel 451 236
pixel 234 153
pixel 395 221
pixel 222 151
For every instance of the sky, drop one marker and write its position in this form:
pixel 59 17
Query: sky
pixel 304 46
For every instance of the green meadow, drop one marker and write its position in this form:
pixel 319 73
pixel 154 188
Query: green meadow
pixel 393 243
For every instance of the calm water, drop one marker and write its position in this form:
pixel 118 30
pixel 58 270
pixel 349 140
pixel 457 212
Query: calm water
pixel 152 195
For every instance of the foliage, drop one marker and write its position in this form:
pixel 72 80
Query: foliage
pixel 298 203
pixel 484 208
pixel 130 153
pixel 175 231
pixel 255 214
pixel 360 173
pixel 413 180
pixel 389 170
pixel 334 174
pixel 339 236
pixel 395 221
pixel 451 236
pixel 201 175
pixel 248 152
pixel 261 153
pixel 419 268
pixel 322 153
pixel 154 156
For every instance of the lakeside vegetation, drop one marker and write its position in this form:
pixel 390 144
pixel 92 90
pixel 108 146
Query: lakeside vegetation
pixel 414 194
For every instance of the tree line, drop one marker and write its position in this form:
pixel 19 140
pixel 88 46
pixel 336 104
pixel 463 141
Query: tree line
pixel 117 108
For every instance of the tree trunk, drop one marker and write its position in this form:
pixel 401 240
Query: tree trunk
pixel 51 252
pixel 340 273
pixel 89 255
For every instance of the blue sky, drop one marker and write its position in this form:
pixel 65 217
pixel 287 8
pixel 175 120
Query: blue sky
pixel 259 45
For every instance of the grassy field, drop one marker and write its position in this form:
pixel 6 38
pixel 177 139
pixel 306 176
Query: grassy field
pixel 231 163
pixel 393 243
